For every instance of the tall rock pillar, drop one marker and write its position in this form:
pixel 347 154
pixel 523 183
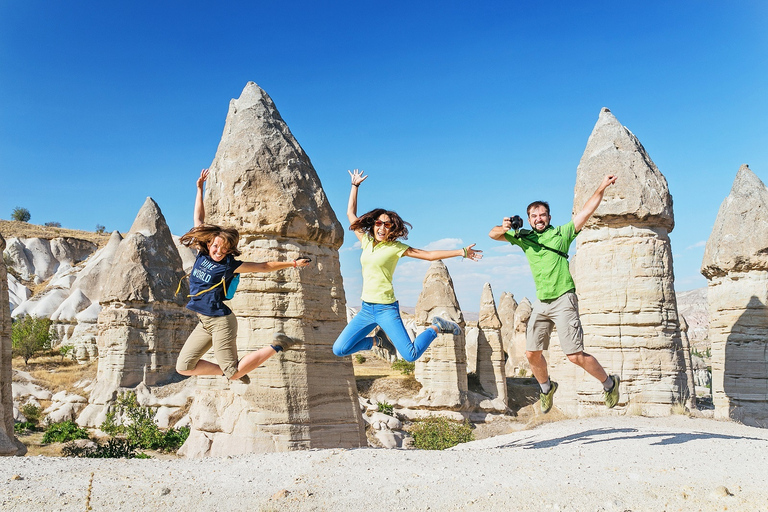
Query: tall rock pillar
pixel 490 354
pixel 9 445
pixel 624 278
pixel 442 369
pixel 736 265
pixel 262 183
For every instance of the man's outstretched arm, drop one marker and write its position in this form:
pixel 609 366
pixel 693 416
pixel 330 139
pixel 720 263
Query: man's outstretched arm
pixel 497 233
pixel 592 203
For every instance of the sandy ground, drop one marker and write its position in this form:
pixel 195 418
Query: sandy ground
pixel 602 464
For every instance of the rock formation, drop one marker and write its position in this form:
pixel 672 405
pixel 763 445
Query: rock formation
pixel 442 369
pixel 37 259
pixel 736 265
pixel 470 347
pixel 143 323
pixel 520 325
pixel 263 183
pixel 490 354
pixel 506 312
pixel 689 370
pixel 624 279
pixel 9 445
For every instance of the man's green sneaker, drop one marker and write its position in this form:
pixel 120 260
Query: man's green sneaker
pixel 612 397
pixel 547 399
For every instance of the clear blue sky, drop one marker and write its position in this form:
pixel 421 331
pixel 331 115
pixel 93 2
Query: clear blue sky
pixel 461 112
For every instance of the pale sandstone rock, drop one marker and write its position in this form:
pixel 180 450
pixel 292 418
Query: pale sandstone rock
pixel 506 312
pixel 38 259
pixel 519 362
pixel 624 280
pixel 143 323
pixel 470 347
pixel 97 268
pixel 9 445
pixel 736 265
pixel 442 369
pixel 691 403
pixel 17 292
pixel 490 354
pixel 263 183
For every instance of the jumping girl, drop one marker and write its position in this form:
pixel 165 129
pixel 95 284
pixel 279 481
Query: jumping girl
pixel 379 232
pixel 212 273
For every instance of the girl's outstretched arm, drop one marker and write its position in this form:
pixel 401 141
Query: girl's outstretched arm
pixel 271 266
pixel 199 207
pixel 466 252
pixel 357 179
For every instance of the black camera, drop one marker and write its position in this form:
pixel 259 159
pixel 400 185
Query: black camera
pixel 516 221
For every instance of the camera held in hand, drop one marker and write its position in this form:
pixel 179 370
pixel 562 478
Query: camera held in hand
pixel 516 221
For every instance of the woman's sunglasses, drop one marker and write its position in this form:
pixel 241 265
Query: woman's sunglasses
pixel 380 223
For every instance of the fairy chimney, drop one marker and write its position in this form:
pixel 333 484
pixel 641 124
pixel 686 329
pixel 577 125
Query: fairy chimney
pixel 490 355
pixel 262 183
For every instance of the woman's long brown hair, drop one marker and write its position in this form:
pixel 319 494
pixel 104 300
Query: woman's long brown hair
pixel 201 236
pixel 367 221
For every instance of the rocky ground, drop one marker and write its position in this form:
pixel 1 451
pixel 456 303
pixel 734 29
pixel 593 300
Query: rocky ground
pixel 599 463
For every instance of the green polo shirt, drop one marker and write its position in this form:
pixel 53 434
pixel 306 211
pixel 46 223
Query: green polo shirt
pixel 379 264
pixel 550 270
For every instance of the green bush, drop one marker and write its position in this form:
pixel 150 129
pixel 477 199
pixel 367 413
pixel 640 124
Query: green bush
pixel 31 335
pixel 359 359
pixel 100 229
pixel 386 408
pixel 437 433
pixel 24 427
pixel 405 367
pixel 52 224
pixel 66 351
pixel 32 412
pixel 115 448
pixel 63 432
pixel 139 426
pixel 21 214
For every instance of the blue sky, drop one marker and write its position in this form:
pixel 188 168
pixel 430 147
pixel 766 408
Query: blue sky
pixel 460 113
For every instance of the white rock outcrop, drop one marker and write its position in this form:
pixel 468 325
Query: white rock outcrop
pixel 490 353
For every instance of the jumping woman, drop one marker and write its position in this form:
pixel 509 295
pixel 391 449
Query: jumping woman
pixel 212 273
pixel 379 232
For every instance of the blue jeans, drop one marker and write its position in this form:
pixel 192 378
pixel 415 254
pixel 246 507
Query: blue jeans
pixel 387 316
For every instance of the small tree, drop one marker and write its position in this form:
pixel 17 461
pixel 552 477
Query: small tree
pixel 30 335
pixel 21 214
pixel 53 224
pixel 100 229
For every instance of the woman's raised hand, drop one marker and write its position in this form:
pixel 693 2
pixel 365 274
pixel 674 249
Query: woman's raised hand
pixel 473 254
pixel 203 177
pixel 357 177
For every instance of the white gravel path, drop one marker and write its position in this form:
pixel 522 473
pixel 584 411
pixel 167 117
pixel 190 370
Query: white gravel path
pixel 601 464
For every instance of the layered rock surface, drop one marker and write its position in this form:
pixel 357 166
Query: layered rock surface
pixel 736 266
pixel 263 183
pixel 442 369
pixel 490 353
pixel 624 279
pixel 143 323
pixel 9 445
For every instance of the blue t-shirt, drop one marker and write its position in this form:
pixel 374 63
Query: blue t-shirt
pixel 205 274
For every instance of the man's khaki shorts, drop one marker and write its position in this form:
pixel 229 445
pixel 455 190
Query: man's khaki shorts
pixel 563 313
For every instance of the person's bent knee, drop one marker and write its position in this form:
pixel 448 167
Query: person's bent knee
pixel 533 355
pixel 337 350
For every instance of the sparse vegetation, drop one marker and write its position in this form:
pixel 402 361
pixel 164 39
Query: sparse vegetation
pixel 63 432
pixel 359 359
pixel 100 229
pixel 31 335
pixel 52 224
pixel 438 433
pixel 139 427
pixel 386 408
pixel 66 351
pixel 404 367
pixel 115 448
pixel 704 355
pixel 21 214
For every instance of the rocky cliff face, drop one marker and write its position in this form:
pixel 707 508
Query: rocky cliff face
pixel 624 279
pixel 736 265
pixel 9 445
pixel 262 183
pixel 442 369
pixel 142 324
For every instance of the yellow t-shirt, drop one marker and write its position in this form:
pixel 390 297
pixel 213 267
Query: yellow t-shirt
pixel 379 264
